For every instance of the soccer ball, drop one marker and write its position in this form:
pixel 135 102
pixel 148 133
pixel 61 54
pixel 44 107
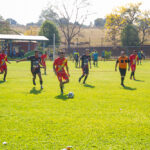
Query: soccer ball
pixel 70 95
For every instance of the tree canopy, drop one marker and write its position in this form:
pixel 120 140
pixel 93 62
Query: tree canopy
pixel 48 29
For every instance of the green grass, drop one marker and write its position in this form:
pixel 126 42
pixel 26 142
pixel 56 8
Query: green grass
pixel 102 115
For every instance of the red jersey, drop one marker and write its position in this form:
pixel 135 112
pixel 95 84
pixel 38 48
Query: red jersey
pixel 3 59
pixel 133 59
pixel 60 63
pixel 43 57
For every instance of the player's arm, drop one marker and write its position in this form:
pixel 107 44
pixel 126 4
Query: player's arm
pixel 116 64
pixel 40 62
pixel 67 68
pixel 54 69
pixel 19 60
pixel 8 61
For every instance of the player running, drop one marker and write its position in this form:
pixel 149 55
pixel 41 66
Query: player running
pixel 43 61
pixel 133 59
pixel 3 65
pixel 58 67
pixel 123 60
pixel 85 61
pixel 95 58
pixel 35 66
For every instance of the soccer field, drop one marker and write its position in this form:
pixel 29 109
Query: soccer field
pixel 102 115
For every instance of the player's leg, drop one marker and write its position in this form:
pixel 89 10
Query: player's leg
pixel 134 67
pixel 86 75
pixel 132 71
pixel 59 76
pixel 40 78
pixel 97 63
pixel 61 86
pixel 66 78
pixel 45 69
pixel 83 74
pixel 76 63
pixel 5 74
pixel 34 76
pixel 122 73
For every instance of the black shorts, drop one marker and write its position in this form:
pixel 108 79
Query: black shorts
pixel 122 72
pixel 85 70
pixel 35 71
pixel 95 60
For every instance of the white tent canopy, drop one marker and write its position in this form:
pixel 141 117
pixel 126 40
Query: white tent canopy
pixel 22 37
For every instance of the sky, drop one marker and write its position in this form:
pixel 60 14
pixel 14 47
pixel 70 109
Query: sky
pixel 26 11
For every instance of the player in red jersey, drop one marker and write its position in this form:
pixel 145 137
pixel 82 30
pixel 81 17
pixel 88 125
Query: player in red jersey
pixel 133 60
pixel 43 61
pixel 3 65
pixel 59 70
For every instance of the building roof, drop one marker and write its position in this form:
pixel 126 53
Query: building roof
pixel 22 37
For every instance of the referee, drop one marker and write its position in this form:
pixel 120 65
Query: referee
pixel 123 60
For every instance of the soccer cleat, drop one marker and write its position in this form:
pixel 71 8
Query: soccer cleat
pixel 41 87
pixel 83 82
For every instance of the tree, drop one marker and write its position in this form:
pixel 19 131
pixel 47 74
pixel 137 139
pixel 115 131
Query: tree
pixel 117 20
pixel 48 29
pixel 114 25
pixel 130 36
pixel 48 14
pixel 131 12
pixel 70 18
pixel 143 24
pixel 99 22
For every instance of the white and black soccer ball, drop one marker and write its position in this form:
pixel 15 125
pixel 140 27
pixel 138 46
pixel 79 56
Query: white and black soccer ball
pixel 70 95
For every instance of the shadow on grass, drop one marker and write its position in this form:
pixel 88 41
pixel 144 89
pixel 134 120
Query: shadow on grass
pixel 129 88
pixel 2 82
pixel 34 91
pixel 88 85
pixel 62 97
pixel 139 80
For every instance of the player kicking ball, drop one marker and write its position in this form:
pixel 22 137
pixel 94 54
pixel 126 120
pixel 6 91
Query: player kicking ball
pixel 123 60
pixel 3 65
pixel 58 66
pixel 85 61
pixel 133 60
pixel 35 67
